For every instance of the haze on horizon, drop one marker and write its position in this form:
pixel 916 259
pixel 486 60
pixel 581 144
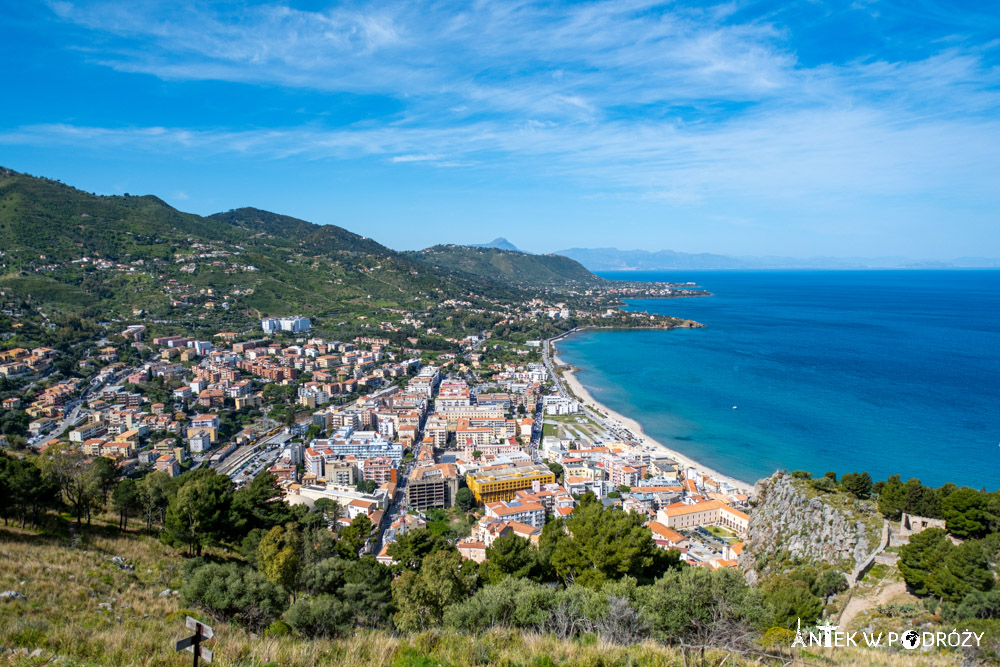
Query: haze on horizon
pixel 859 128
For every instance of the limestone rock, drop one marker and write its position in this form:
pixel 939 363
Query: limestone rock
pixel 792 524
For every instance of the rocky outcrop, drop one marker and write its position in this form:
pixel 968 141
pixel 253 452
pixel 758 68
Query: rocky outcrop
pixel 793 524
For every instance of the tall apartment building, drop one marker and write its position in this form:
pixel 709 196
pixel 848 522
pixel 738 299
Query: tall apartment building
pixel 432 486
pixel 290 324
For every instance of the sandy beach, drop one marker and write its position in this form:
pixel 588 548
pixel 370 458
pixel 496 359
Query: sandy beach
pixel 686 462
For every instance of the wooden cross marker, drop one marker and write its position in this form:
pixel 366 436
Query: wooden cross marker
pixel 193 643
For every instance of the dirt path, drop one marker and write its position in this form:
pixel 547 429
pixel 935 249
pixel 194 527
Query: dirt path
pixel 858 604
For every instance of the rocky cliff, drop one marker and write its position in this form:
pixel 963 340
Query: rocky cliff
pixel 795 524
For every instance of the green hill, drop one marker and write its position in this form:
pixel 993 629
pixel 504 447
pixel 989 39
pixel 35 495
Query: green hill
pixel 514 267
pixel 102 256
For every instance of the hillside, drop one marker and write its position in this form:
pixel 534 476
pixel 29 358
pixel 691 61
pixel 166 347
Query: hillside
pixel 101 256
pixel 514 267
pixel 82 608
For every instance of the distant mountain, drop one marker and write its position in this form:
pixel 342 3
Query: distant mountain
pixel 500 243
pixel 612 259
pixel 516 268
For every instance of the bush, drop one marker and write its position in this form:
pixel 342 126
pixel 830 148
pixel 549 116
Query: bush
pixel 278 629
pixel 791 600
pixel 702 606
pixel 979 604
pixel 777 637
pixel 825 484
pixel 323 616
pixel 512 602
pixel 237 594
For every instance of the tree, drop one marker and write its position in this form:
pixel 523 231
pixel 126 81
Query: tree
pixel 966 512
pixel 353 537
pixel 476 454
pixel 198 514
pixel 155 490
pixel 24 491
pixel 260 504
pixel 366 486
pixel 891 498
pixel 508 556
pixel 279 556
pixel 979 604
pixel 465 499
pixel 368 589
pixel 825 484
pixel 932 565
pixel 412 547
pixel 127 501
pixel 422 596
pixel 607 544
pixel 329 509
pixel 318 544
pixel 557 470
pixel 72 472
pixel 511 602
pixel 105 476
pixel 857 484
pixel 911 498
pixel 328 576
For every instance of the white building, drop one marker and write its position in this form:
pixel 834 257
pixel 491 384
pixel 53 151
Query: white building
pixel 291 324
pixel 200 442
pixel 348 442
pixel 557 405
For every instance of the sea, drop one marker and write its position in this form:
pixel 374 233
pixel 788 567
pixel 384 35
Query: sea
pixel 889 372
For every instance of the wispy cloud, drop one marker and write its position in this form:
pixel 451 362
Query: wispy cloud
pixel 635 98
pixel 423 157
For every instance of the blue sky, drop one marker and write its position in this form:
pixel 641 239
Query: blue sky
pixel 861 128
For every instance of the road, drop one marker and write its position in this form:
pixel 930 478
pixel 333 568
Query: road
pixel 72 410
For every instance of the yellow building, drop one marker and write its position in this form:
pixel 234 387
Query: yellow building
pixel 489 486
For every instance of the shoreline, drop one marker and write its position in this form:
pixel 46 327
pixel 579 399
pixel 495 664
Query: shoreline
pixel 574 385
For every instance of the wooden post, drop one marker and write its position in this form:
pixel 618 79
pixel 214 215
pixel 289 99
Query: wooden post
pixel 193 643
pixel 197 643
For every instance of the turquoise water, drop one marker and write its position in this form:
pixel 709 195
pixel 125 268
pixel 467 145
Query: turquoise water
pixel 884 371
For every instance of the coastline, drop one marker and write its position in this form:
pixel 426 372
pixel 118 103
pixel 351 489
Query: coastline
pixel 632 425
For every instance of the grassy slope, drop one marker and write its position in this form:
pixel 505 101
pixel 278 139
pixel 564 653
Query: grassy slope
pixel 65 585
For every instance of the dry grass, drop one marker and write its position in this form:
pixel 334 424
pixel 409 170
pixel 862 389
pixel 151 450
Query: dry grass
pixel 65 585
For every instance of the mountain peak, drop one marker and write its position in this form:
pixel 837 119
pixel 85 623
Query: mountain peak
pixel 499 243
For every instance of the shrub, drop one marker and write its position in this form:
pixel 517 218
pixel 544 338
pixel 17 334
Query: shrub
pixel 323 616
pixel 235 593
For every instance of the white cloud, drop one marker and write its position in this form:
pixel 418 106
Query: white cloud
pixel 649 100
pixel 422 157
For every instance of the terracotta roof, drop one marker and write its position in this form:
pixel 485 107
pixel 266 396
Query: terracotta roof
pixel 663 532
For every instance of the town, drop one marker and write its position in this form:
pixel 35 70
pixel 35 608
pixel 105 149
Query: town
pixel 404 436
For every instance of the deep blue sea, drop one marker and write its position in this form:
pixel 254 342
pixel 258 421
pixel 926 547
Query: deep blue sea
pixel 884 371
